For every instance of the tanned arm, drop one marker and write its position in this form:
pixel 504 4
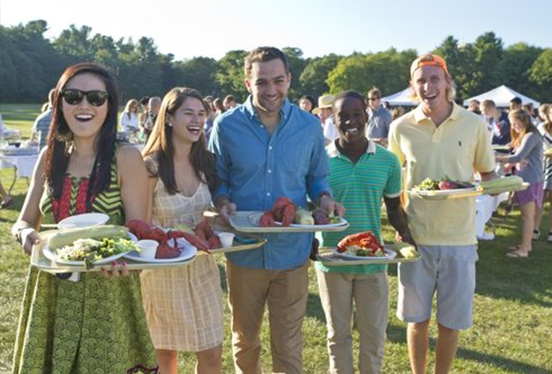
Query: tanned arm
pixel 397 218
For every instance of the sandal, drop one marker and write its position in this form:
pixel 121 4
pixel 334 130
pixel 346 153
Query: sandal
pixel 536 234
pixel 514 248
pixel 514 254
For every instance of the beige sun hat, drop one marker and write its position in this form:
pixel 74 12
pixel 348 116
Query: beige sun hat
pixel 324 101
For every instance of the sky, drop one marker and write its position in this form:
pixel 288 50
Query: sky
pixel 211 28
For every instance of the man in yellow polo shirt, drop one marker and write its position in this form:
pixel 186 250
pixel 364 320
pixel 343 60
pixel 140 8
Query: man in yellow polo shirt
pixel 438 139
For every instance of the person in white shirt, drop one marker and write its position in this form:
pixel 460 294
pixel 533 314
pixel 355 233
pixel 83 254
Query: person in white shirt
pixel 324 113
pixel 129 117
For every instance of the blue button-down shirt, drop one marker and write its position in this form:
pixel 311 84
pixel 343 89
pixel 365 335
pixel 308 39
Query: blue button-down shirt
pixel 257 167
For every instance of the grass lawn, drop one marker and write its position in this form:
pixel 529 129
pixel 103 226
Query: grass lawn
pixel 512 317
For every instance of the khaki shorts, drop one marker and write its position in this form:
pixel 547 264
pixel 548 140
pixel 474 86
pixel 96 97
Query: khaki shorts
pixel 447 270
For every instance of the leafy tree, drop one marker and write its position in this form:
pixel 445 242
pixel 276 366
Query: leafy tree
pixel 389 71
pixel 8 70
pixel 296 66
pixel 198 73
pixel 515 67
pixel 230 76
pixel 488 52
pixel 460 64
pixel 140 72
pixel 28 65
pixel 541 75
pixel 31 64
pixel 314 75
pixel 76 43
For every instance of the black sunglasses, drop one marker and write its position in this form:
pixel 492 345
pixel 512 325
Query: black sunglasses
pixel 94 98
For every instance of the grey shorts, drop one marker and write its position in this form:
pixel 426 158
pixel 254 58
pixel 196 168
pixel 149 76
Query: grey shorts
pixel 449 270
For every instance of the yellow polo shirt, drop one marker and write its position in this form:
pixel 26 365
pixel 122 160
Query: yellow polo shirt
pixel 457 148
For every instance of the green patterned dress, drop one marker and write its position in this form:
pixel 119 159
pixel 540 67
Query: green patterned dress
pixel 95 325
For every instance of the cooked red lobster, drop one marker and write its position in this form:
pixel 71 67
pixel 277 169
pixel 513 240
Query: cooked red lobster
pixel 365 240
pixel 282 211
pixel 144 230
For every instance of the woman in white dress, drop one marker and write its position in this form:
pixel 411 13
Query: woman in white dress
pixel 183 305
pixel 129 117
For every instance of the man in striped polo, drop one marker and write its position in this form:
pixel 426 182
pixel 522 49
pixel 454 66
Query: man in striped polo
pixel 361 173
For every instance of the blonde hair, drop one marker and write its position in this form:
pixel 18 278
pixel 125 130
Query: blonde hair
pixel 488 103
pixel 545 112
pixel 521 116
pixel 128 105
pixel 449 93
pixel 397 112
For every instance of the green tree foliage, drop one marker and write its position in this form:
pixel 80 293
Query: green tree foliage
pixel 488 53
pixel 296 67
pixel 541 75
pixel 230 76
pixel 199 73
pixel 75 44
pixel 314 75
pixel 30 65
pixel 461 65
pixel 515 67
pixel 389 71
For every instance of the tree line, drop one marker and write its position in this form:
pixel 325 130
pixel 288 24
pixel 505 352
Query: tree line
pixel 31 64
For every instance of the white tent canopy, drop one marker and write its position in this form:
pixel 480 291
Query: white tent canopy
pixel 401 98
pixel 502 96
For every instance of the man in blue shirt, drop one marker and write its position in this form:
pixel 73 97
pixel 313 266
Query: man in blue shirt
pixel 377 128
pixel 41 127
pixel 498 122
pixel 265 149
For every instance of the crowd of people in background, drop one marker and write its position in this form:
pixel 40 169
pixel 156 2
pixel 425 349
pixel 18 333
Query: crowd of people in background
pixel 347 153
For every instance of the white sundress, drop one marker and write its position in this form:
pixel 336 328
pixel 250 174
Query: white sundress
pixel 183 305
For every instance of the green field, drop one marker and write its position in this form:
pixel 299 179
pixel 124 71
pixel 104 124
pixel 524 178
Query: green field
pixel 513 304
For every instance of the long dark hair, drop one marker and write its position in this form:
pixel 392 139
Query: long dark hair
pixel 57 156
pixel 160 145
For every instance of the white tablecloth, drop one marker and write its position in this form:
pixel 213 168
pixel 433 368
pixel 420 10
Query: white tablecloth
pixel 485 206
pixel 24 164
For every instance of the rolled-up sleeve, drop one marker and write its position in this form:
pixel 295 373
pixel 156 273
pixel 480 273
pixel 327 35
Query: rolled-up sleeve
pixel 318 171
pixel 216 145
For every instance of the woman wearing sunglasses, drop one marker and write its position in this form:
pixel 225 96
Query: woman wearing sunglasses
pixel 93 322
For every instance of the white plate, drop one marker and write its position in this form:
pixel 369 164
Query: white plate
pixel 187 252
pixel 53 257
pixel 457 191
pixel 390 255
pixel 255 218
pixel 83 220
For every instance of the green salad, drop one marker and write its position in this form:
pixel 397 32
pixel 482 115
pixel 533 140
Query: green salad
pixel 91 250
